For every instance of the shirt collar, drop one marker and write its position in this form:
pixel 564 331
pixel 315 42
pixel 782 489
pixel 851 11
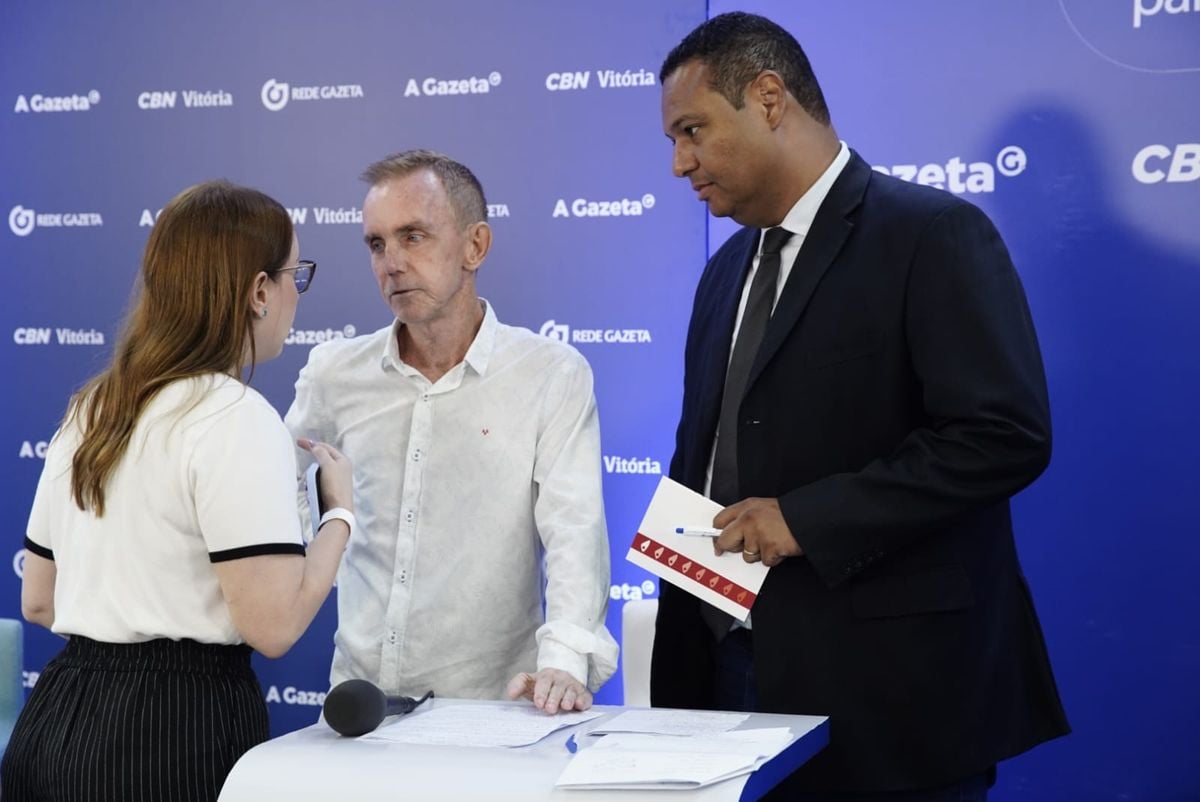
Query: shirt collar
pixel 477 357
pixel 480 353
pixel 799 218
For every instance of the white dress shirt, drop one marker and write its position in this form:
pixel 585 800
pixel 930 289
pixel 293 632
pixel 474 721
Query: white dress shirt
pixel 481 548
pixel 208 476
pixel 798 220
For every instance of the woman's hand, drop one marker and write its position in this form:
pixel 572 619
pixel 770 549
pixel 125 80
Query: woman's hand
pixel 337 474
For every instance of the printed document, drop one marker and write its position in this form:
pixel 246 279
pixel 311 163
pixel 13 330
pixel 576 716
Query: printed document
pixel 727 582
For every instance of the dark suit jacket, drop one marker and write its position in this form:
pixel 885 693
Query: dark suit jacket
pixel 897 402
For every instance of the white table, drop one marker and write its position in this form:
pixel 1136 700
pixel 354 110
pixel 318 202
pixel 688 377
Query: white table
pixel 316 763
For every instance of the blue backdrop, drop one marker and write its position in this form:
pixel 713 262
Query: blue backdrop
pixel 1073 123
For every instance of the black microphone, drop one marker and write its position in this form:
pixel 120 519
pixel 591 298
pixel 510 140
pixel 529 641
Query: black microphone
pixel 356 706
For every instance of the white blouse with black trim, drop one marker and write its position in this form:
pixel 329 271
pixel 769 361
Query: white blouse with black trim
pixel 209 475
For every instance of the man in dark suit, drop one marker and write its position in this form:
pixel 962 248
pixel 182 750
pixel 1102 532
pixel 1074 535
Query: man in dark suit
pixel 864 392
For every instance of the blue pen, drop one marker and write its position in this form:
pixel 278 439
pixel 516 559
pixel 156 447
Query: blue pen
pixel 572 747
pixel 697 531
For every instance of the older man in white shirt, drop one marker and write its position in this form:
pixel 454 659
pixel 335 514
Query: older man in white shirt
pixel 478 487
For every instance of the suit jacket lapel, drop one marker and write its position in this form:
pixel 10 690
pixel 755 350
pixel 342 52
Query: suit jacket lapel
pixel 825 239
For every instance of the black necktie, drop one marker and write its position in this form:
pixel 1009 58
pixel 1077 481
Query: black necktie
pixel 725 489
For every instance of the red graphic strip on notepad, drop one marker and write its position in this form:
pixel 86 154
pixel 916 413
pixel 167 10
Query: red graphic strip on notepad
pixel 693 570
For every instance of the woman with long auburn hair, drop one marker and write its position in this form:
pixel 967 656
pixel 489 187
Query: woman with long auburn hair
pixel 164 541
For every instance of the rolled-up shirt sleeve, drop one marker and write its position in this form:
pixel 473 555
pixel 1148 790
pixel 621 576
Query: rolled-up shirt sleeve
pixel 569 512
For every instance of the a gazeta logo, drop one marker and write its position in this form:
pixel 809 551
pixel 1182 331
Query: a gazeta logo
pixel 275 94
pixel 41 103
pixel 958 175
pixel 21 221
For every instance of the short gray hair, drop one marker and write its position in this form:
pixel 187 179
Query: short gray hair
pixel 461 186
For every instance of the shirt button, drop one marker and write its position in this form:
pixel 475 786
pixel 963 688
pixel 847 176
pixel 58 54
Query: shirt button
pixel 392 636
pixel 408 516
pixel 417 455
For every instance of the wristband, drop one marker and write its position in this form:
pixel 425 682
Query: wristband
pixel 340 514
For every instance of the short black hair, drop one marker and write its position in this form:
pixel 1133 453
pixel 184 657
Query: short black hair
pixel 736 47
pixel 461 186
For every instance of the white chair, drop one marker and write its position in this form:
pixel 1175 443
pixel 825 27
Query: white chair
pixel 12 691
pixel 637 638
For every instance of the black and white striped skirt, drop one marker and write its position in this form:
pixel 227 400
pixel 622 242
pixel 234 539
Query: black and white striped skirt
pixel 142 722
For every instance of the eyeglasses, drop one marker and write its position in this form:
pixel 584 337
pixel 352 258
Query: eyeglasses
pixel 305 269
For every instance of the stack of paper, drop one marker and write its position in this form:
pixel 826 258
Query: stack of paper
pixel 669 762
pixel 477 725
pixel 667 721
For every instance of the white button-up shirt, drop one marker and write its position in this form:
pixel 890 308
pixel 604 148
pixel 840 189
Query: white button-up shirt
pixel 478 499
